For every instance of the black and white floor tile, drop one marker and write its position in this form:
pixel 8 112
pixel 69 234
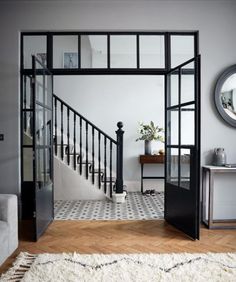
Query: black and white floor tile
pixel 136 207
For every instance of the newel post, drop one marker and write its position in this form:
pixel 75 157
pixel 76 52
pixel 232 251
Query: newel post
pixel 119 159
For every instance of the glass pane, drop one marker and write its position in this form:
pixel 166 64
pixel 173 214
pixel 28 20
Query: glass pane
pixel 27 93
pixel 48 131
pixel 39 88
pixel 48 90
pixel 185 168
pixel 39 126
pixel 34 45
pixel 174 90
pixel 173 127
pixel 187 125
pixel 42 57
pixel 48 170
pixel 182 49
pixel 65 51
pixel 93 51
pixel 40 167
pixel 152 51
pixel 187 87
pixel 123 51
pixel 173 166
pixel 28 128
pixel 38 65
pixel 27 164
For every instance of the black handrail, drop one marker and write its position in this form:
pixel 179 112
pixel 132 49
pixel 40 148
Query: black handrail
pixel 104 157
pixel 83 118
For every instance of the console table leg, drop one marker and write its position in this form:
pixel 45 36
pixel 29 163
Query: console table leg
pixel 211 196
pixel 204 175
pixel 141 178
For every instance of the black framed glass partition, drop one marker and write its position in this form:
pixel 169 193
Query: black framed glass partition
pixel 182 146
pixel 108 52
pixel 37 147
pixel 121 53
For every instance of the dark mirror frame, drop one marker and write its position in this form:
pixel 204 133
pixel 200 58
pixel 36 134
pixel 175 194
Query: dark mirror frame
pixel 217 95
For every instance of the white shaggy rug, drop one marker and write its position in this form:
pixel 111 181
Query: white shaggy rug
pixel 123 268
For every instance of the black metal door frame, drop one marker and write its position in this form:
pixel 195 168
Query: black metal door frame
pixel 109 71
pixel 182 206
pixel 44 211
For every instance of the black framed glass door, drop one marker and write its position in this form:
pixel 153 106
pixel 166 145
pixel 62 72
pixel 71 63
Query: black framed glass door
pixel 43 146
pixel 182 164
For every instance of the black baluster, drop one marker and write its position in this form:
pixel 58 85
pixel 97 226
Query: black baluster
pixel 87 169
pixel 105 164
pixel 55 122
pixel 119 158
pixel 110 168
pixel 62 129
pixel 93 155
pixel 74 141
pixel 99 160
pixel 68 136
pixel 80 146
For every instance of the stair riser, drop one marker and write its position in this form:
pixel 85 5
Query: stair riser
pixel 90 170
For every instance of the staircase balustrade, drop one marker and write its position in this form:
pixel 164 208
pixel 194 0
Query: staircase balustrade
pixel 92 151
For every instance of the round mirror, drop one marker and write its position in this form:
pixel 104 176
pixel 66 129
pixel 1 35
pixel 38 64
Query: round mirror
pixel 225 95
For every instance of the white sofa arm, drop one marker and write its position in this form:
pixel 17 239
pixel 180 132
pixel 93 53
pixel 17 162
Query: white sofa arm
pixel 9 214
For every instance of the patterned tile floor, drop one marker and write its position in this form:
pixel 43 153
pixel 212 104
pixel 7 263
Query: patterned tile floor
pixel 136 207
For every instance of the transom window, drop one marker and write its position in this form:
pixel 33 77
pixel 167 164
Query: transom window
pixel 108 52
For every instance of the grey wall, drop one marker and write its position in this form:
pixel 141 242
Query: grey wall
pixel 215 20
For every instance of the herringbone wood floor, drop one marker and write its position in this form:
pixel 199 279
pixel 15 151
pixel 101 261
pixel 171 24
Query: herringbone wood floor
pixel 123 237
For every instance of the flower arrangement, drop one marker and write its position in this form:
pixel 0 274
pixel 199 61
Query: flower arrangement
pixel 149 132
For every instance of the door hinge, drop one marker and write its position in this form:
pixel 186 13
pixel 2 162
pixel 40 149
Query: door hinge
pixel 34 214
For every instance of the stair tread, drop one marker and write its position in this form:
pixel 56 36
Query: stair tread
pixel 59 144
pixel 96 170
pixel 113 179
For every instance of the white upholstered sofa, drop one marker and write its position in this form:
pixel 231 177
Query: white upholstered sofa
pixel 8 225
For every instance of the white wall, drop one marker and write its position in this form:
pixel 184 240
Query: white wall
pixel 215 21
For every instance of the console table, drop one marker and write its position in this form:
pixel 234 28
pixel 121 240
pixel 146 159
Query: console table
pixel 210 171
pixel 150 159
